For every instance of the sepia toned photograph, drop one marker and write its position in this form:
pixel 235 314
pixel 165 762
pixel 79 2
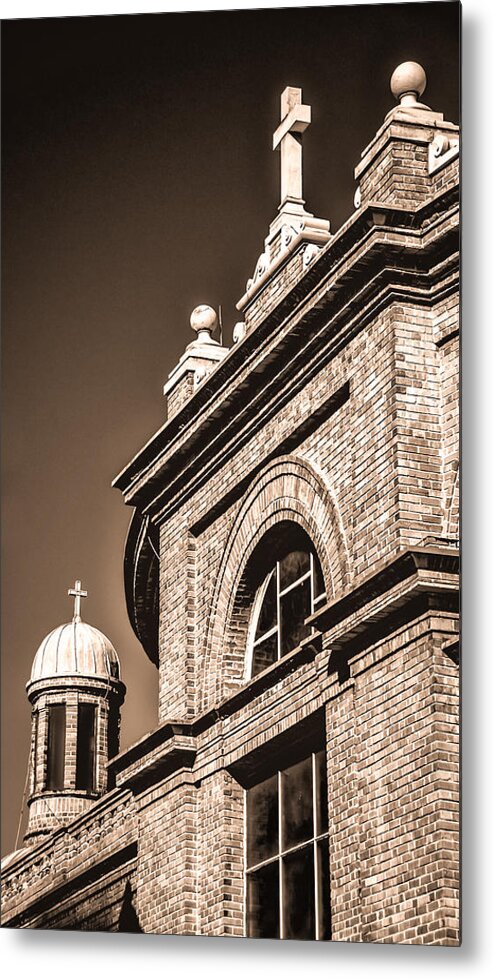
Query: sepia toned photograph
pixel 230 480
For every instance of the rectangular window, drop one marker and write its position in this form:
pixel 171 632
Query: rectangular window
pixel 55 768
pixel 86 747
pixel 287 853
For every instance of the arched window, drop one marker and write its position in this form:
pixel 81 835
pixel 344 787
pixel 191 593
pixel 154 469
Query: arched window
pixel 289 593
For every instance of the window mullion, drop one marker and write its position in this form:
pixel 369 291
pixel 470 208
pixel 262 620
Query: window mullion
pixel 291 587
pixel 263 637
pixel 278 600
pixel 312 609
pixel 315 853
pixel 281 868
pixel 260 865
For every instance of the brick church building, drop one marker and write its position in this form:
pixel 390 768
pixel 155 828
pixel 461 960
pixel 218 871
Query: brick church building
pixel 291 568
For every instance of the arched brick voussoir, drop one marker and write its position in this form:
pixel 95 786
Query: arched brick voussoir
pixel 289 488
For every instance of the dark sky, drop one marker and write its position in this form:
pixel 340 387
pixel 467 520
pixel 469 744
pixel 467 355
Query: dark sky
pixel 138 182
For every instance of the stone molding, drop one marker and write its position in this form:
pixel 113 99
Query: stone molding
pixel 311 232
pixel 98 686
pixel 427 570
pixel 390 244
pixel 442 150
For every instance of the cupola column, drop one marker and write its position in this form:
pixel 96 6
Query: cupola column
pixel 76 693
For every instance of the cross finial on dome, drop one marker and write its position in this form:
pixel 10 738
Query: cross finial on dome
pixel 77 593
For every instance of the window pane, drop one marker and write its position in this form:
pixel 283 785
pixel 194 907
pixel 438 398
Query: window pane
pixel 262 821
pixel 84 777
pixel 263 901
pixel 324 916
pixel 318 581
pixel 264 654
pixel 55 773
pixel 295 607
pixel 299 895
pixel 321 791
pixel 292 567
pixel 268 612
pixel 297 804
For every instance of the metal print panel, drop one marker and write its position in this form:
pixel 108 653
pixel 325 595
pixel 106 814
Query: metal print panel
pixel 256 212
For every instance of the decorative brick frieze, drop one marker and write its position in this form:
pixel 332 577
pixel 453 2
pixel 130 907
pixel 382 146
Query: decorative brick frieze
pixel 61 858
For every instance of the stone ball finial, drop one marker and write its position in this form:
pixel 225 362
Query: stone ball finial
pixel 408 82
pixel 203 321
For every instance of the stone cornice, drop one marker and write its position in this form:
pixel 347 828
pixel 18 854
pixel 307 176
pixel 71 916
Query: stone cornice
pixel 377 603
pixel 164 751
pixel 197 466
pixel 364 265
pixel 76 683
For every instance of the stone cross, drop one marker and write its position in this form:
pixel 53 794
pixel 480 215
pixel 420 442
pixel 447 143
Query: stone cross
pixel 295 118
pixel 77 593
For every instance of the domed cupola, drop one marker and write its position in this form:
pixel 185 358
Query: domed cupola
pixel 75 649
pixel 76 693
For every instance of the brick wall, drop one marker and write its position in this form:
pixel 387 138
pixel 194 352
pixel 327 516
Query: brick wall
pixel 220 874
pixel 166 898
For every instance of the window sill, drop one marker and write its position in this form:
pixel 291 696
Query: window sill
pixel 303 653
